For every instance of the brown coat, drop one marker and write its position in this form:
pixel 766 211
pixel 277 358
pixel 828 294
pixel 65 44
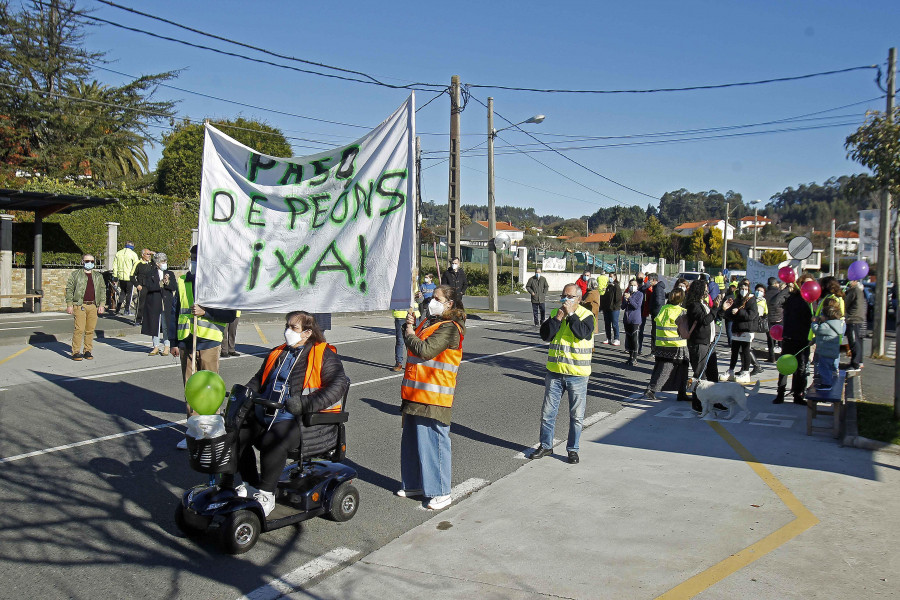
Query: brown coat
pixel 591 301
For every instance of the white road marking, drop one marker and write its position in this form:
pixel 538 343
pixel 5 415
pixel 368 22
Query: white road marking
pixel 41 320
pixel 93 441
pixel 461 490
pixel 293 581
pixel 164 425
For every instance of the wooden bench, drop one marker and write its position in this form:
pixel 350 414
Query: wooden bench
pixel 834 397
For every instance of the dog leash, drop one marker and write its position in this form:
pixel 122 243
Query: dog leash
pixel 712 349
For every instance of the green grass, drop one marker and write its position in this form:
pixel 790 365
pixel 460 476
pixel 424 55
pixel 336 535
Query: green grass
pixel 877 422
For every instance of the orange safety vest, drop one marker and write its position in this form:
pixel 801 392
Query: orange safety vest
pixel 313 379
pixel 432 381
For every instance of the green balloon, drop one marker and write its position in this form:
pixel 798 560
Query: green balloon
pixel 787 364
pixel 205 392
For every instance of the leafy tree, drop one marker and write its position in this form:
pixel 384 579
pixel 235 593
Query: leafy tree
pixel 876 145
pixel 714 244
pixel 178 171
pixel 71 127
pixel 769 231
pixel 655 230
pixel 772 257
pixel 735 260
pixel 697 245
pixel 622 238
pixel 815 205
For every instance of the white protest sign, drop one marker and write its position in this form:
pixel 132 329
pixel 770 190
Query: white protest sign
pixel 760 273
pixel 331 232
pixel 554 264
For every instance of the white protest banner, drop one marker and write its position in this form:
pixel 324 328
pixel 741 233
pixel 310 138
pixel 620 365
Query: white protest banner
pixel 554 264
pixel 331 232
pixel 760 273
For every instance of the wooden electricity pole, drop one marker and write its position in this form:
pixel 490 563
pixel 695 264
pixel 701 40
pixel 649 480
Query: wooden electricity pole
pixel 884 229
pixel 454 227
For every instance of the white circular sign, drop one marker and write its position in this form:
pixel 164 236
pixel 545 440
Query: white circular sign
pixel 501 242
pixel 800 248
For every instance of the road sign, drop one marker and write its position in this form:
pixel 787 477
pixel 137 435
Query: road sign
pixel 800 247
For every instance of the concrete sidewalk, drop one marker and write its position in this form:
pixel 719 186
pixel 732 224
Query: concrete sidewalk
pixel 662 504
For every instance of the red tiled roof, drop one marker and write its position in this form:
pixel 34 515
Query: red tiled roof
pixel 759 219
pixel 839 234
pixel 696 224
pixel 501 226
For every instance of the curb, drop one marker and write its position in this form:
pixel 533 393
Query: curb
pixel 852 438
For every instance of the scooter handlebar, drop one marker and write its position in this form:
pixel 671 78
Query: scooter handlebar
pixel 268 403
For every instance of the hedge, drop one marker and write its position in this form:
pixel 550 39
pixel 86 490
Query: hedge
pixel 161 223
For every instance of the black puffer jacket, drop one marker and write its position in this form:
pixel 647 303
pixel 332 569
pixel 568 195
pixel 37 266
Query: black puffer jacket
pixel 697 314
pixel 745 318
pixel 318 438
pixel 775 298
pixel 797 317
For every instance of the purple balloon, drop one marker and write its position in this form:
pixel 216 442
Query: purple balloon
pixel 858 270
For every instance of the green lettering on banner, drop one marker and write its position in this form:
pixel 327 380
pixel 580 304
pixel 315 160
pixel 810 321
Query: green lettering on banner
pixel 292 202
pixel 319 210
pixel 257 163
pixel 254 210
pixel 341 265
pixel 395 197
pixel 366 199
pixel 255 263
pixel 288 267
pixel 342 204
pixel 319 168
pixel 222 195
pixel 293 173
pixel 348 163
pixel 361 240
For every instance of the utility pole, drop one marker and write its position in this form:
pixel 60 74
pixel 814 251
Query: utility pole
pixel 454 228
pixel 418 212
pixel 884 228
pixel 832 270
pixel 493 296
pixel 891 90
pixel 725 240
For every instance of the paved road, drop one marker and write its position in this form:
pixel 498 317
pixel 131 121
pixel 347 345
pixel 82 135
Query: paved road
pixel 97 519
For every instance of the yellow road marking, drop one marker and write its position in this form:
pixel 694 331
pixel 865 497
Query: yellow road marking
pixel 22 351
pixel 261 335
pixel 804 520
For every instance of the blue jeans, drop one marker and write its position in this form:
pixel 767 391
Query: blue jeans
pixel 554 384
pixel 826 369
pixel 157 342
pixel 611 321
pixel 538 307
pixel 400 348
pixel 425 456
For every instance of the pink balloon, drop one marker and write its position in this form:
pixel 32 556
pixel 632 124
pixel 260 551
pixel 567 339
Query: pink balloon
pixel 777 332
pixel 811 290
pixel 787 274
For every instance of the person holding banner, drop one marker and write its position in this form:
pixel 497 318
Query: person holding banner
pixel 434 353
pixel 187 319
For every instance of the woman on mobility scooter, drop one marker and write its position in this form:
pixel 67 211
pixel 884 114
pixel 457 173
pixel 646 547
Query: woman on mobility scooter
pixel 306 374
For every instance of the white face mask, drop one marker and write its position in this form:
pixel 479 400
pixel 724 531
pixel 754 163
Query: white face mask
pixel 163 266
pixel 759 294
pixel 454 266
pixel 428 280
pixel 742 293
pixel 291 337
pixel 585 277
pixel 88 265
pixel 194 267
pixel 435 307
pixel 634 288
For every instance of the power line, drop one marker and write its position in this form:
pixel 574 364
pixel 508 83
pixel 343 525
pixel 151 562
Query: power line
pixel 532 187
pixel 572 160
pixel 676 89
pixel 417 86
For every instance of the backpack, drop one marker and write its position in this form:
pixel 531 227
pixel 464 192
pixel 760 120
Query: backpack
pixel 681 322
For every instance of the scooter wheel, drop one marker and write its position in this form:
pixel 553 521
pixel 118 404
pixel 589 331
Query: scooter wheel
pixel 239 532
pixel 344 503
pixel 182 524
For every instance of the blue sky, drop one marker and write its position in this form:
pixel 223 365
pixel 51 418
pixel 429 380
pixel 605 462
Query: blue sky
pixel 583 45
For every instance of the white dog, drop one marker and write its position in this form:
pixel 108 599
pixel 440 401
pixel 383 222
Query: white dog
pixel 732 395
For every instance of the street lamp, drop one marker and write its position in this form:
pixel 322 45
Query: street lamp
pixel 833 243
pixel 494 300
pixel 755 204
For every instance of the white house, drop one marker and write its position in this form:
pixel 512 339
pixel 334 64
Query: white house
pixel 687 229
pixel 476 233
pixel 749 223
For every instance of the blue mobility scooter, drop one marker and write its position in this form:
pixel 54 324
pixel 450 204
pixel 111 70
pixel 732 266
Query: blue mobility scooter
pixel 313 484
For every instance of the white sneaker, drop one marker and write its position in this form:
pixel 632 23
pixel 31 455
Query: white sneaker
pixel 266 499
pixel 729 376
pixel 743 377
pixel 616 343
pixel 409 493
pixel 182 445
pixel 439 502
pixel 605 341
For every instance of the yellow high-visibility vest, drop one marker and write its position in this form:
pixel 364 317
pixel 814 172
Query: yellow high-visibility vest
pixel 667 329
pixel 568 355
pixel 208 329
